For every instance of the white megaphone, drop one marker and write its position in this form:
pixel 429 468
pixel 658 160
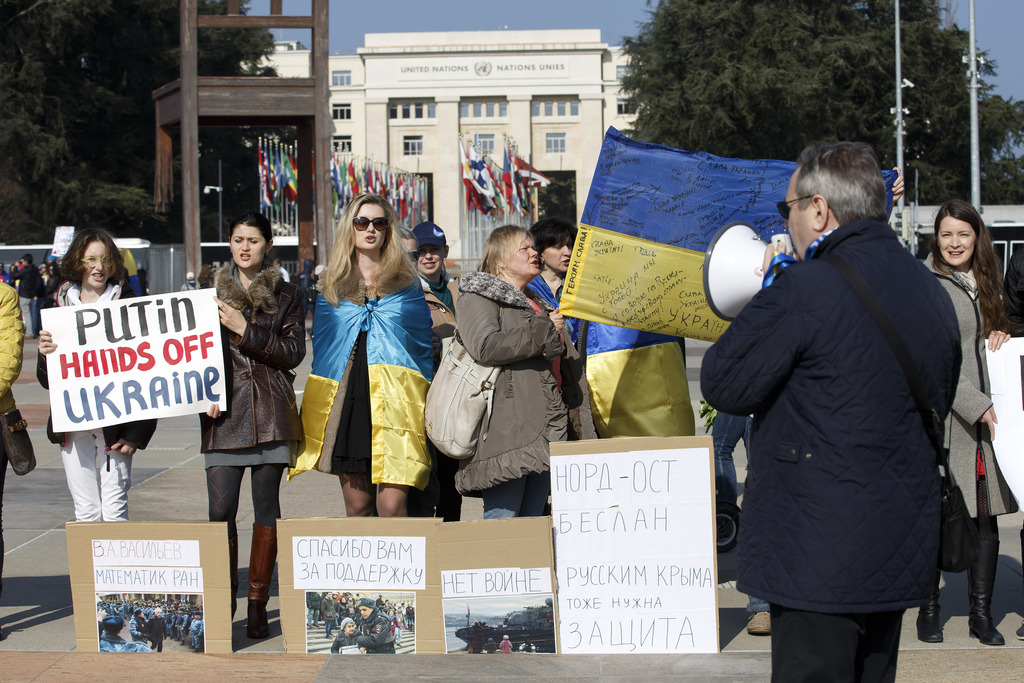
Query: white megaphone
pixel 733 269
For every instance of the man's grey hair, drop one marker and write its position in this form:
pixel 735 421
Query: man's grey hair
pixel 405 233
pixel 847 175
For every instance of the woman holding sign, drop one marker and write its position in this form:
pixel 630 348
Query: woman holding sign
pixel 371 341
pixel 97 462
pixel 264 338
pixel 963 259
pixel 503 323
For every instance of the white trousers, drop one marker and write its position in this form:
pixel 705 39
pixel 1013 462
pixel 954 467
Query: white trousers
pixel 98 494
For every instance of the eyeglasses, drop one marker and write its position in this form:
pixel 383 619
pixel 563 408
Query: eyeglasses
pixel 93 261
pixel 784 207
pixel 361 223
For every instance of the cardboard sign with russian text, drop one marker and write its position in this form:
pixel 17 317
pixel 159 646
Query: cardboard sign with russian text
pixel 635 555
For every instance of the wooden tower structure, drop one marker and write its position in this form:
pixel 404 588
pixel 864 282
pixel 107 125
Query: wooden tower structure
pixel 191 102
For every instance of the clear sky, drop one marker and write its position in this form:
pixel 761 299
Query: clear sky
pixel 999 23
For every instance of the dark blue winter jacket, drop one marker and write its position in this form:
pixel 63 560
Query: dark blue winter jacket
pixel 841 502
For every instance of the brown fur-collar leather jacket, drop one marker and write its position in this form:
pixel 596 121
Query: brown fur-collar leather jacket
pixel 259 364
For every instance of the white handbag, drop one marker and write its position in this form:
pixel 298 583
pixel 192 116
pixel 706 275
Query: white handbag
pixel 459 402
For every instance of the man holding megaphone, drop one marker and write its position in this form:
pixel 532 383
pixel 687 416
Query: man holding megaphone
pixel 841 501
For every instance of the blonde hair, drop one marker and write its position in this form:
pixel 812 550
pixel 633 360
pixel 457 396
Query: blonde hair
pixel 501 245
pixel 342 264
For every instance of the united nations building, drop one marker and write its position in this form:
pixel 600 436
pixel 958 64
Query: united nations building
pixel 408 99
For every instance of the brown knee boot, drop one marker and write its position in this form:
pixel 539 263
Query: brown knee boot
pixel 233 562
pixel 261 568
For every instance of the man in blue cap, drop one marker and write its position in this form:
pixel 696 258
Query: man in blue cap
pixel 442 293
pixel 439 287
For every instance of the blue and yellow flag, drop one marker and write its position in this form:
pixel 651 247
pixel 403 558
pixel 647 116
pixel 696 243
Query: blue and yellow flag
pixel 400 360
pixel 650 216
pixel 131 272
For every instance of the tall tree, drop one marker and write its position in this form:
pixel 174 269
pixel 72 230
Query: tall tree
pixel 77 141
pixel 765 79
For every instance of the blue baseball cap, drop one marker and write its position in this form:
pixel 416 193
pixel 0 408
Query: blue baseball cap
pixel 428 233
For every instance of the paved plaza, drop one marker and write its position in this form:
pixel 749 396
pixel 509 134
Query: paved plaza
pixel 169 485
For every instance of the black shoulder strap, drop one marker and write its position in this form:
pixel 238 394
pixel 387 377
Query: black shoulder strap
pixel 930 419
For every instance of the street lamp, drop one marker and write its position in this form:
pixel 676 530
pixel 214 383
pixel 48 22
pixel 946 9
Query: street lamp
pixel 219 189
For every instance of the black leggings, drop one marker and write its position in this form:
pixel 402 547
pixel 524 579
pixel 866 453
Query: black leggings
pixel 224 484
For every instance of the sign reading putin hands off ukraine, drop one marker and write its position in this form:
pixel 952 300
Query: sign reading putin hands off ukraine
pixel 650 216
pixel 131 359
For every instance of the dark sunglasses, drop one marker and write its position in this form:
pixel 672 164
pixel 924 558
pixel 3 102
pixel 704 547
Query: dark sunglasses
pixel 362 223
pixel 784 207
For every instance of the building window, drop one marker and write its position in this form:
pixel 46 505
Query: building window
pixel 621 71
pixel 412 145
pixel 341 78
pixel 485 142
pixel 555 143
pixel 561 107
pixel 341 112
pixel 342 143
pixel 412 110
pixel 622 107
pixel 479 109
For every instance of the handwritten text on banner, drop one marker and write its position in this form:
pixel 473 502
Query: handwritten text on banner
pixel 359 562
pixel 634 551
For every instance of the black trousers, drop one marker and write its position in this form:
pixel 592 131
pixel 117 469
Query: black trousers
pixel 813 646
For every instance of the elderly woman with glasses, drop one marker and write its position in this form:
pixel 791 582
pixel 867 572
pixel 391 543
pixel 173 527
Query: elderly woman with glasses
pixel 97 462
pixel 362 410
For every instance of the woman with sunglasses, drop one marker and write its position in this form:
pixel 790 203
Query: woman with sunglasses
pixel 97 462
pixel 362 410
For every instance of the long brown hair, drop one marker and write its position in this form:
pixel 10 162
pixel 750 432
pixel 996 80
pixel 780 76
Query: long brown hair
pixel 342 265
pixel 983 263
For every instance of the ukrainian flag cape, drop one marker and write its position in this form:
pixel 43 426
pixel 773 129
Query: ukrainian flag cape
pixel 399 355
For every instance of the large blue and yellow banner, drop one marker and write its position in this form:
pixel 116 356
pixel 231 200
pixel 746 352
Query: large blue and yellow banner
pixel 650 216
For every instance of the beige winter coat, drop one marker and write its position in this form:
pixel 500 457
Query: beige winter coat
pixel 499 327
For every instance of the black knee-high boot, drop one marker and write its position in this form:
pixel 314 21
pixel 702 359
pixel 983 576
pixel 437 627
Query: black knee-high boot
pixel 929 623
pixel 981 579
pixel 1020 631
pixel 233 561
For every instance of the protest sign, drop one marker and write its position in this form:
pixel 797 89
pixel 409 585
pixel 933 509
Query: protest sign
pixel 497 581
pixel 177 566
pixel 635 552
pixel 62 236
pixel 134 359
pixel 391 561
pixel 1006 375
pixel 649 218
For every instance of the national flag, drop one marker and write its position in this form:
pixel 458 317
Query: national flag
pixel 291 185
pixel 648 221
pixel 506 178
pixel 264 188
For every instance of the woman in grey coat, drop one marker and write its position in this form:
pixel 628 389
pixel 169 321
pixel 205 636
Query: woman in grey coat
pixel 501 323
pixel 963 259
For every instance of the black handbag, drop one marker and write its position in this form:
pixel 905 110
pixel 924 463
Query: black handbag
pixel 958 538
pixel 17 443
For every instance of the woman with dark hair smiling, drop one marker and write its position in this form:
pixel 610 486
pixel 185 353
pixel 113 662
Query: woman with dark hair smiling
pixel 963 259
pixel 99 485
pixel 262 324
